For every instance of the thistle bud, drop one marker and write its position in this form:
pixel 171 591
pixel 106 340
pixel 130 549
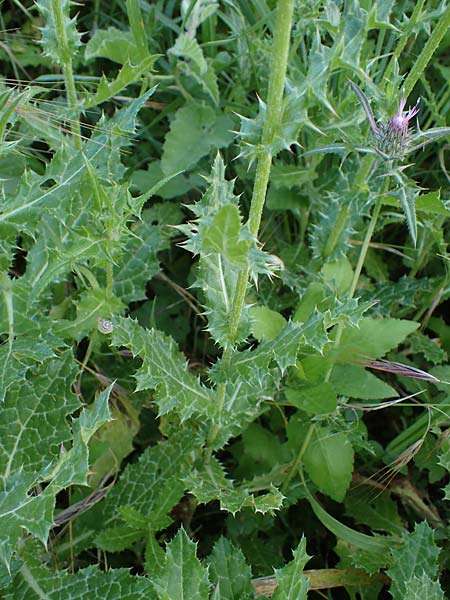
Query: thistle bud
pixel 394 138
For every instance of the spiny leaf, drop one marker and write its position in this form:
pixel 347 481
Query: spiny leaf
pixel 182 575
pixel 163 369
pixel 416 558
pixel 291 583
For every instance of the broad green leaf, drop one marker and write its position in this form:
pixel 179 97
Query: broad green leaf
pixel 114 44
pixel 152 486
pixel 195 130
pixel 182 576
pixel 186 46
pixel 223 236
pixel 314 399
pixel 229 572
pixel 115 584
pixel 379 512
pixel 417 557
pixel 328 459
pixel 291 583
pixel 338 274
pixel 355 382
pixel 266 323
pixel 374 337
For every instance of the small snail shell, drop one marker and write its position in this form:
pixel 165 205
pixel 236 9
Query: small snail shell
pixel 104 326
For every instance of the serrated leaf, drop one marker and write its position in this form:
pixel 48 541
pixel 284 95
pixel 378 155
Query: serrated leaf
pixel 163 369
pixel 195 130
pixel 117 539
pixel 210 483
pixel 115 584
pixel 31 460
pixel 421 587
pixel 152 486
pixel 128 73
pixel 229 572
pixel 182 576
pixel 58 48
pixel 291 583
pixel 418 556
pixel 328 459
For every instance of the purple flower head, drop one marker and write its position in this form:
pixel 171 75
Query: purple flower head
pixel 400 121
pixel 394 137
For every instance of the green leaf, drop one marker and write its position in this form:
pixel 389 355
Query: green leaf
pixel 421 587
pixel 208 483
pixel 355 382
pixel 195 130
pixel 187 46
pixel 114 44
pixel 266 323
pixel 128 73
pixel 291 583
pixel 59 49
pixel 117 539
pixel 229 572
pixel 328 459
pixel 407 197
pixel 378 546
pixel 33 435
pixel 314 399
pixel 223 236
pixel 137 27
pixel 163 369
pixel 374 337
pixel 182 575
pixel 338 274
pixel 115 584
pixel 141 501
pixel 416 558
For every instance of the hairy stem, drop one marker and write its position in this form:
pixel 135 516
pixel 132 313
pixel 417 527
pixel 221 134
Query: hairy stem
pixel 65 56
pixel 281 40
pixel 429 49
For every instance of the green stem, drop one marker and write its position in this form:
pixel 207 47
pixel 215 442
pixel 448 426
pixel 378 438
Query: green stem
pixel 278 67
pixel 296 464
pixel 403 39
pixel 65 56
pixel 359 266
pixel 429 49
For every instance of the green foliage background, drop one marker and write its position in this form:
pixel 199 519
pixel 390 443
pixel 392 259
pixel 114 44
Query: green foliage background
pixel 160 437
